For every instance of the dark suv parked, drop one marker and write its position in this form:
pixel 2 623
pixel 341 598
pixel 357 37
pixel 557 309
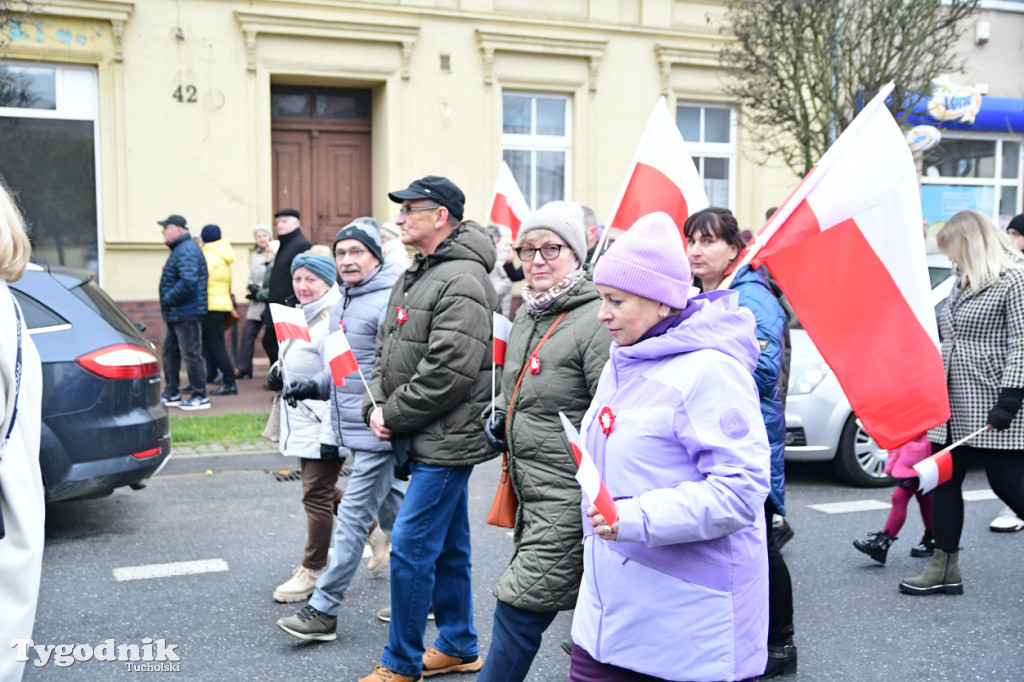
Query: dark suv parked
pixel 103 423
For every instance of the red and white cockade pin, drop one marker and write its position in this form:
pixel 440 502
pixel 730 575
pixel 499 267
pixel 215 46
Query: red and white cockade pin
pixel 534 364
pixel 607 419
pixel 341 326
pixel 402 317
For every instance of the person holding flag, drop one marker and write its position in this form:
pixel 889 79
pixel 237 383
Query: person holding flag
pixel 982 332
pixel 714 240
pixel 306 430
pixel 372 491
pixel 676 587
pixel 554 357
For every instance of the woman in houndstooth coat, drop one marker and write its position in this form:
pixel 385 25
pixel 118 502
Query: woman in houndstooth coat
pixel 982 332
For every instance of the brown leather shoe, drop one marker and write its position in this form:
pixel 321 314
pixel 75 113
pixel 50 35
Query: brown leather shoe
pixel 438 663
pixel 382 674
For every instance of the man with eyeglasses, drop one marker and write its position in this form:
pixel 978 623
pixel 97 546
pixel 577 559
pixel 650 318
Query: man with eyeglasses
pixel 372 491
pixel 431 383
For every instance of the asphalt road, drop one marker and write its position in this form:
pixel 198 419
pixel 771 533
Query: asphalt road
pixel 852 624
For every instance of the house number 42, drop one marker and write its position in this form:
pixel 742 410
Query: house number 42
pixel 185 93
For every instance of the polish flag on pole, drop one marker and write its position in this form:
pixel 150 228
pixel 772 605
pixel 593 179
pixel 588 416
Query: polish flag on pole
pixel 935 470
pixel 661 178
pixel 508 205
pixel 502 329
pixel 587 474
pixel 340 357
pixel 846 248
pixel 289 323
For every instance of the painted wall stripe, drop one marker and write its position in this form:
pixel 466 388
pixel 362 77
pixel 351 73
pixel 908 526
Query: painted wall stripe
pixel 167 570
pixel 872 505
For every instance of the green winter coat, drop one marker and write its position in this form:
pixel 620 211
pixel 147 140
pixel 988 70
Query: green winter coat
pixel 432 376
pixel 547 565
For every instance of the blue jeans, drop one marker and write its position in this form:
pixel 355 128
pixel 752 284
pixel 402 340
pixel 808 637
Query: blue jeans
pixel 515 640
pixel 430 564
pixel 184 339
pixel 372 491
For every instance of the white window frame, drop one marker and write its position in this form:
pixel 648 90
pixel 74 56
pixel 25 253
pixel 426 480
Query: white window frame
pixel 699 149
pixel 76 91
pixel 997 182
pixel 541 143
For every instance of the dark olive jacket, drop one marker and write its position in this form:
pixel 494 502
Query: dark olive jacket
pixel 547 565
pixel 433 370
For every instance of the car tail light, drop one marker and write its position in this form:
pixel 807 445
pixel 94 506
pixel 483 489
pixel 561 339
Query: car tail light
pixel 122 361
pixel 146 453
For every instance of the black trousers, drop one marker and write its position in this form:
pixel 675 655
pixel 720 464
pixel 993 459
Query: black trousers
pixel 269 337
pixel 213 343
pixel 1005 472
pixel 183 339
pixel 780 588
pixel 250 331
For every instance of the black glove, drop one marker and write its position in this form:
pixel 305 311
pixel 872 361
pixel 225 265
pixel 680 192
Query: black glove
pixel 1006 408
pixel 274 380
pixel 300 390
pixel 494 431
pixel 330 453
pixel 253 289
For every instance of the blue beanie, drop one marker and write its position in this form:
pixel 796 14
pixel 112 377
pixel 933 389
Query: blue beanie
pixel 210 233
pixel 321 266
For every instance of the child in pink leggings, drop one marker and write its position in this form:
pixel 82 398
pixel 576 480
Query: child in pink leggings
pixel 900 465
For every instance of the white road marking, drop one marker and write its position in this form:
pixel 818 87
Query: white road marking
pixel 872 505
pixel 166 570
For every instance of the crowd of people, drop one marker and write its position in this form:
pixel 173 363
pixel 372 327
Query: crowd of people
pixel 668 358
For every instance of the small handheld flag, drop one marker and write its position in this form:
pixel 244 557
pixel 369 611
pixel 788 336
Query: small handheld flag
pixel 502 329
pixel 937 469
pixel 340 357
pixel 289 323
pixel 587 475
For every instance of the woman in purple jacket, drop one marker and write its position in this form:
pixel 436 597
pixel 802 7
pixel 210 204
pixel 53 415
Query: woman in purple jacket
pixel 677 587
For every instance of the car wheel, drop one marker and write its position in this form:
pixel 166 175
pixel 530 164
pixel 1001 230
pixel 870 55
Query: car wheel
pixel 859 460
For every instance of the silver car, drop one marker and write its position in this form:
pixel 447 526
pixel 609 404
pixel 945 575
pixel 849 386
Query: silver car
pixel 820 426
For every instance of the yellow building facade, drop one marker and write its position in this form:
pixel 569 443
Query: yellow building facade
pixel 224 111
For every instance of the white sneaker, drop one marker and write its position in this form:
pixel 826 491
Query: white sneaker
pixel 300 586
pixel 380 545
pixel 1006 522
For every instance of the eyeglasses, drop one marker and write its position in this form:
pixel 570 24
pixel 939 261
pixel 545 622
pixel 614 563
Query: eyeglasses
pixel 352 253
pixel 547 252
pixel 406 210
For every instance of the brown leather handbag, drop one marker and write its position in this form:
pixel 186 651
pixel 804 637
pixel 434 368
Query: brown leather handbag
pixel 506 504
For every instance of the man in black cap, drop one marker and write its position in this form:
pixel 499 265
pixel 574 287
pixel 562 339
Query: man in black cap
pixel 183 306
pixel 431 381
pixel 293 242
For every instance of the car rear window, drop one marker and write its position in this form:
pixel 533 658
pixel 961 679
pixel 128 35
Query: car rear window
pixel 37 315
pixel 90 293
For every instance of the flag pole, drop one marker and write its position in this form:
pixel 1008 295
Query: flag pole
pixel 368 391
pixel 493 380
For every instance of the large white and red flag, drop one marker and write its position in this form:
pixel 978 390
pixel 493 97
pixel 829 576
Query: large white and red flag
pixel 340 357
pixel 846 248
pixel 502 329
pixel 289 323
pixel 587 475
pixel 661 178
pixel 508 205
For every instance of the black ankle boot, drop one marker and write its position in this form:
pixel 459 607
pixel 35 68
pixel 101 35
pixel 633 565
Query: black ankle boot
pixel 926 547
pixel 876 545
pixel 781 661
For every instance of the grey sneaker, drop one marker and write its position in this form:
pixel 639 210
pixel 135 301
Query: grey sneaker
pixel 196 402
pixel 170 399
pixel 310 624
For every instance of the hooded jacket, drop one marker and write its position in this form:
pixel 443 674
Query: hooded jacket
pixel 359 312
pixel 307 425
pixel 432 375
pixel 682 593
pixel 219 256
pixel 756 296
pixel 183 281
pixel 545 571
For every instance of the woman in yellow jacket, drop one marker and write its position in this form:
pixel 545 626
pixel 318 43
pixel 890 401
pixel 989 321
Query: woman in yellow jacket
pixel 219 257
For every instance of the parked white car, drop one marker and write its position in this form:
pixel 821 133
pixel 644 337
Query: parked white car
pixel 820 426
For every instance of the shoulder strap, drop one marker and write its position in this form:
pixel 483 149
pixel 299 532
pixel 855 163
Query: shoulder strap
pixel 508 416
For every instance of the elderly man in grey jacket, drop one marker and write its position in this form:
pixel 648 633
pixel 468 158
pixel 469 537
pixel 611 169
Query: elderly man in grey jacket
pixel 373 491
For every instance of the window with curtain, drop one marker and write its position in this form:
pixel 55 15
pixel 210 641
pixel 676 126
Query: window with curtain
pixel 710 134
pixel 536 143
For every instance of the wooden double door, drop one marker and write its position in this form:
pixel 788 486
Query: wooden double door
pixel 323 170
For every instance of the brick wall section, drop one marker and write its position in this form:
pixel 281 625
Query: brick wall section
pixel 148 313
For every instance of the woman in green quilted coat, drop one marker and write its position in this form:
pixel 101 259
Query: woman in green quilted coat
pixel 545 572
